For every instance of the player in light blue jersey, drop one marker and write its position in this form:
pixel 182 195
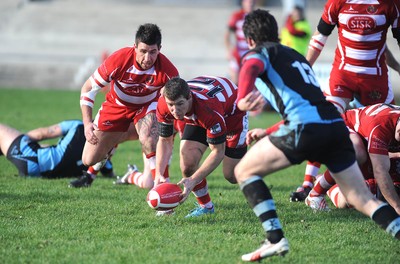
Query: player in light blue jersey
pixel 32 159
pixel 312 130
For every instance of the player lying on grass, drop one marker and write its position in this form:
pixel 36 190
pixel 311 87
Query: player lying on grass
pixel 206 107
pixel 61 160
pixel 375 132
pixel 312 130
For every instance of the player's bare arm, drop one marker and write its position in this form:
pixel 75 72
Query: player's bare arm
pixel 43 133
pixel 88 94
pixel 381 166
pixel 207 167
pixel 147 128
pixel 164 152
pixel 391 61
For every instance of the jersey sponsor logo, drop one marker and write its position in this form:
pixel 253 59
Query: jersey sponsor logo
pixel 215 129
pixel 358 23
pixel 361 23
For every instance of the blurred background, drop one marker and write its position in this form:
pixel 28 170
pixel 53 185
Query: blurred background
pixel 57 44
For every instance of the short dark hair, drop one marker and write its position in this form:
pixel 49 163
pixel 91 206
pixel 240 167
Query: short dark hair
pixel 149 34
pixel 175 88
pixel 261 26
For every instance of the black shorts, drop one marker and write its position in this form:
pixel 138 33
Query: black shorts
pixel 199 134
pixel 23 154
pixel 328 144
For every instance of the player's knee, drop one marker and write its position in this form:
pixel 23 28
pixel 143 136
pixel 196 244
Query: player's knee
pixel 238 172
pixel 229 174
pixel 230 178
pixel 88 161
pixel 187 170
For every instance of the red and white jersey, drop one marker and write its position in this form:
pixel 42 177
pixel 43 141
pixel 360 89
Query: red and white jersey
pixel 129 84
pixel 236 24
pixel 377 125
pixel 362 28
pixel 214 100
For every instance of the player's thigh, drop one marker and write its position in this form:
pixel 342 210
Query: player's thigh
pixel 191 153
pixel 7 136
pixel 261 159
pixel 359 147
pixel 95 153
pixel 228 167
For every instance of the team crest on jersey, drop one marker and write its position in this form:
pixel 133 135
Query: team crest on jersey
pixel 216 129
pixel 375 95
pixel 371 9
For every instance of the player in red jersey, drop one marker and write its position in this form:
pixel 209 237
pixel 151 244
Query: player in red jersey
pixel 361 58
pixel 135 75
pixel 234 39
pixel 359 65
pixel 375 133
pixel 207 106
pixel 340 201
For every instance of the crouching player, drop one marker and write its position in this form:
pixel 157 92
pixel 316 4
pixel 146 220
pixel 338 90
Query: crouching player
pixel 374 132
pixel 207 108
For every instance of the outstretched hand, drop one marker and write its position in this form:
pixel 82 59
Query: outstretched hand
pixel 188 185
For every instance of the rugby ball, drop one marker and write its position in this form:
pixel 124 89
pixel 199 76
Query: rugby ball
pixel 164 196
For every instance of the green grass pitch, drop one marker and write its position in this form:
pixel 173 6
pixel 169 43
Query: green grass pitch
pixel 44 221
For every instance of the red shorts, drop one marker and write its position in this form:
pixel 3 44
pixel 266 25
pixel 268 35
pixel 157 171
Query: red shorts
pixel 237 126
pixel 113 117
pixel 369 89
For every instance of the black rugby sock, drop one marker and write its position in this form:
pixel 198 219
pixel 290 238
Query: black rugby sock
pixel 262 203
pixel 387 218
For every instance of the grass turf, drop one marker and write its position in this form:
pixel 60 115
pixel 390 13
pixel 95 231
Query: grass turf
pixel 44 221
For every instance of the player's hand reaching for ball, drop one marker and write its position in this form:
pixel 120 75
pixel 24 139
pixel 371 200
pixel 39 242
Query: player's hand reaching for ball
pixel 188 185
pixel 159 179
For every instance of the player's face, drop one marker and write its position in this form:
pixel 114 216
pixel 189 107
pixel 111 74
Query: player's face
pixel 146 55
pixel 248 5
pixel 179 107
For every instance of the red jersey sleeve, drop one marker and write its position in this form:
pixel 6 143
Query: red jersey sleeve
pixel 250 70
pixel 162 112
pixel 234 19
pixel 331 11
pixel 167 67
pixel 111 66
pixel 379 140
